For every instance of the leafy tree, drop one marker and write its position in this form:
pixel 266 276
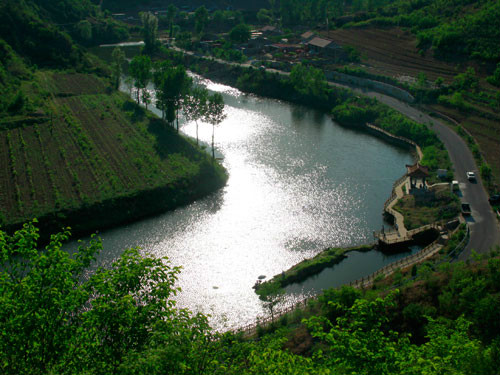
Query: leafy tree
pixel 140 70
pixel 309 81
pixel 486 172
pixel 215 114
pixel 422 79
pixel 84 31
pixel 118 58
pixel 171 13
pixel 149 31
pixel 240 33
pixel 358 341
pixel 201 20
pixel 494 79
pixel 146 98
pixel 265 16
pixel 272 295
pixel 58 317
pixel 172 85
pixel 466 81
pixel 195 106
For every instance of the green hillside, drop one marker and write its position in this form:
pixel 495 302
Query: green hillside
pixel 433 319
pixel 74 151
pixel 88 145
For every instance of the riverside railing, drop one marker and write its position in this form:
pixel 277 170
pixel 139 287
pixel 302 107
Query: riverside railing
pixel 365 282
pixel 403 139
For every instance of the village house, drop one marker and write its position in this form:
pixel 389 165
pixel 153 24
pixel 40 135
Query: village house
pixel 325 47
pixel 306 37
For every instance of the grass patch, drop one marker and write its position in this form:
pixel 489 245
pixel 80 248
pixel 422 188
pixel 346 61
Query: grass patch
pixel 310 267
pixel 440 205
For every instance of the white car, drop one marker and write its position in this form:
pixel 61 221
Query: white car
pixel 471 176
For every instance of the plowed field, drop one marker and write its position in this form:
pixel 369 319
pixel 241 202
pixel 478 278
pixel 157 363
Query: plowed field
pixel 392 52
pixel 97 146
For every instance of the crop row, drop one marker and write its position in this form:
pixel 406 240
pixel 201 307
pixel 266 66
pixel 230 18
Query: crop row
pixel 94 147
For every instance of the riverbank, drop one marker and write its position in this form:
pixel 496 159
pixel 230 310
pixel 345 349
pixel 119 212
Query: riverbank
pixel 350 112
pixel 347 109
pixel 308 268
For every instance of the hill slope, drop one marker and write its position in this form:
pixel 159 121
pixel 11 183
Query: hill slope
pixel 94 150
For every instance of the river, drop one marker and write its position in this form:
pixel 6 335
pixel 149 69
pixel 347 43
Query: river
pixel 298 183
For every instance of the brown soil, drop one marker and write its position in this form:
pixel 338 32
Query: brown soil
pixel 392 52
pixel 90 151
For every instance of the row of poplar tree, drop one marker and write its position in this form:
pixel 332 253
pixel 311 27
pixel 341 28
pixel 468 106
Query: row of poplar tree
pixel 173 91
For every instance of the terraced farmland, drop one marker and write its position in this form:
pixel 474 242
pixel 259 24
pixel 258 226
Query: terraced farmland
pixel 93 147
pixel 392 52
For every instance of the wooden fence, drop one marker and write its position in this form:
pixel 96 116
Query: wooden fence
pixel 364 282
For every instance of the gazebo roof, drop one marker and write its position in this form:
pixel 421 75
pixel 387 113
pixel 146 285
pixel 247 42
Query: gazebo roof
pixel 417 170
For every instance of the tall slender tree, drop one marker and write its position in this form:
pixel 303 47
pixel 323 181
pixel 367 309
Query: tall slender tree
pixel 118 60
pixel 201 20
pixel 172 85
pixel 171 13
pixel 195 106
pixel 215 114
pixel 140 70
pixel 149 31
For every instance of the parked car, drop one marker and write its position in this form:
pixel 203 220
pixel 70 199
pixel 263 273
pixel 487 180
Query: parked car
pixel 494 199
pixel 471 176
pixel 466 209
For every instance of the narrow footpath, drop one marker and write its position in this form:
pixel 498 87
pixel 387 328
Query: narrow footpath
pixel 484 227
pixel 398 217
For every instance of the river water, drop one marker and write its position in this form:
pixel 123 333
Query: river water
pixel 298 183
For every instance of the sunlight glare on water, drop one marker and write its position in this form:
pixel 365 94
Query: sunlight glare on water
pixel 298 183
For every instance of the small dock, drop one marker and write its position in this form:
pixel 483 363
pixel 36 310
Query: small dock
pixel 400 236
pixel 394 237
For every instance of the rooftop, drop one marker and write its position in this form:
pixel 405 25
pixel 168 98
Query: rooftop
pixel 319 42
pixel 417 170
pixel 307 35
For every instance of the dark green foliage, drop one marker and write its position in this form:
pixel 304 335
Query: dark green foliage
pixel 201 20
pixel 140 71
pixel 352 114
pixel 240 33
pixel 172 84
pixel 494 79
pixel 309 81
pixel 26 32
pixel 229 53
pixel 57 316
pixel 54 319
pixel 149 31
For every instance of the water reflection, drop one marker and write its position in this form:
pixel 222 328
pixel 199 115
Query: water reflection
pixel 298 184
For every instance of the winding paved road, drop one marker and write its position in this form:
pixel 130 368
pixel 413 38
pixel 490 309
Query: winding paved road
pixel 484 227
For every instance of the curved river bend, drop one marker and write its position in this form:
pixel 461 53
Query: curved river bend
pixel 298 183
